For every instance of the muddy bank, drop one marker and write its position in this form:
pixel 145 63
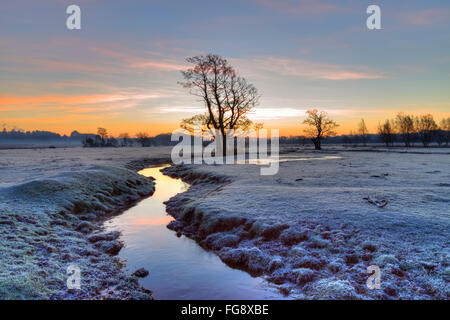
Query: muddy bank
pixel 48 224
pixel 321 253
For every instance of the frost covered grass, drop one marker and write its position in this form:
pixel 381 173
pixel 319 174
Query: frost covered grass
pixel 308 229
pixel 47 225
pixel 311 230
pixel 52 206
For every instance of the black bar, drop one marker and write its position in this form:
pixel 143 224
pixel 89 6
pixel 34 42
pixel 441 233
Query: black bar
pixel 230 310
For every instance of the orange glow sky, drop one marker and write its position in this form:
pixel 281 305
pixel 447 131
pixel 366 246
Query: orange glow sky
pixel 121 70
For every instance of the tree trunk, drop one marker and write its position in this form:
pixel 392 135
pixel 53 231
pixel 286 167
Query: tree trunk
pixel 317 145
pixel 224 143
pixel 224 149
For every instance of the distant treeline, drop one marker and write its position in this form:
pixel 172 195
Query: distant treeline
pixel 404 129
pixel 17 134
pixel 101 139
pixel 358 140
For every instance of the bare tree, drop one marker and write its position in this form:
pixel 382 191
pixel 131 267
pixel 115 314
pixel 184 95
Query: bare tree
pixel 362 130
pixel 406 127
pixel 321 126
pixel 103 134
pixel 352 139
pixel 426 126
pixel 227 97
pixel 189 123
pixel 143 139
pixel 202 119
pixel 445 127
pixel 125 139
pixel 440 137
pixel 386 133
pixel 346 140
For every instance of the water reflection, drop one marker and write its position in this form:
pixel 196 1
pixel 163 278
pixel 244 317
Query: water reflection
pixel 179 268
pixel 261 160
pixel 269 160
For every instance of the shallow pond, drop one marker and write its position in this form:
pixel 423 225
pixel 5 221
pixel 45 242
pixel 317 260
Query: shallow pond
pixel 179 268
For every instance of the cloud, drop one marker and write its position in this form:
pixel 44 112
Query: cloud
pixel 181 109
pixel 310 70
pixel 124 66
pixel 97 60
pixel 133 61
pixel 257 114
pixel 268 114
pixel 300 7
pixel 27 65
pixel 73 100
pixel 53 120
pixel 426 17
pixel 157 64
pixel 75 103
pixel 275 113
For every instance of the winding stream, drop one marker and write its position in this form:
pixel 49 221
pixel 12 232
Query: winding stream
pixel 179 268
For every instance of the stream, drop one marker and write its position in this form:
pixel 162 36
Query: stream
pixel 179 268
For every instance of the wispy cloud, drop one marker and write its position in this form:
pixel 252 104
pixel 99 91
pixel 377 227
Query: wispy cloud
pixel 426 17
pixel 54 119
pixel 126 65
pixel 275 113
pixel 300 7
pixel 181 109
pixel 84 99
pixel 157 64
pixel 93 60
pixel 74 103
pixel 311 70
pixel 26 64
pixel 135 61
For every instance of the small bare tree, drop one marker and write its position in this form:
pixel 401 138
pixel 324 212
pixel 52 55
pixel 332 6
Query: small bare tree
pixel 321 127
pixel 445 127
pixel 386 133
pixel 406 127
pixel 362 130
pixel 426 126
pixel 125 139
pixel 228 98
pixel 143 138
pixel 103 134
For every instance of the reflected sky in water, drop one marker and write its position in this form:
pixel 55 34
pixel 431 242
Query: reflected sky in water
pixel 179 268
pixel 268 160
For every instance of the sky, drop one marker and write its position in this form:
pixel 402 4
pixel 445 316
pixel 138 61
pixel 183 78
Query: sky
pixel 121 70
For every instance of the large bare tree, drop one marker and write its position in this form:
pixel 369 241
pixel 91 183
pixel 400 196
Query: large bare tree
pixel 243 124
pixel 320 127
pixel 228 98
